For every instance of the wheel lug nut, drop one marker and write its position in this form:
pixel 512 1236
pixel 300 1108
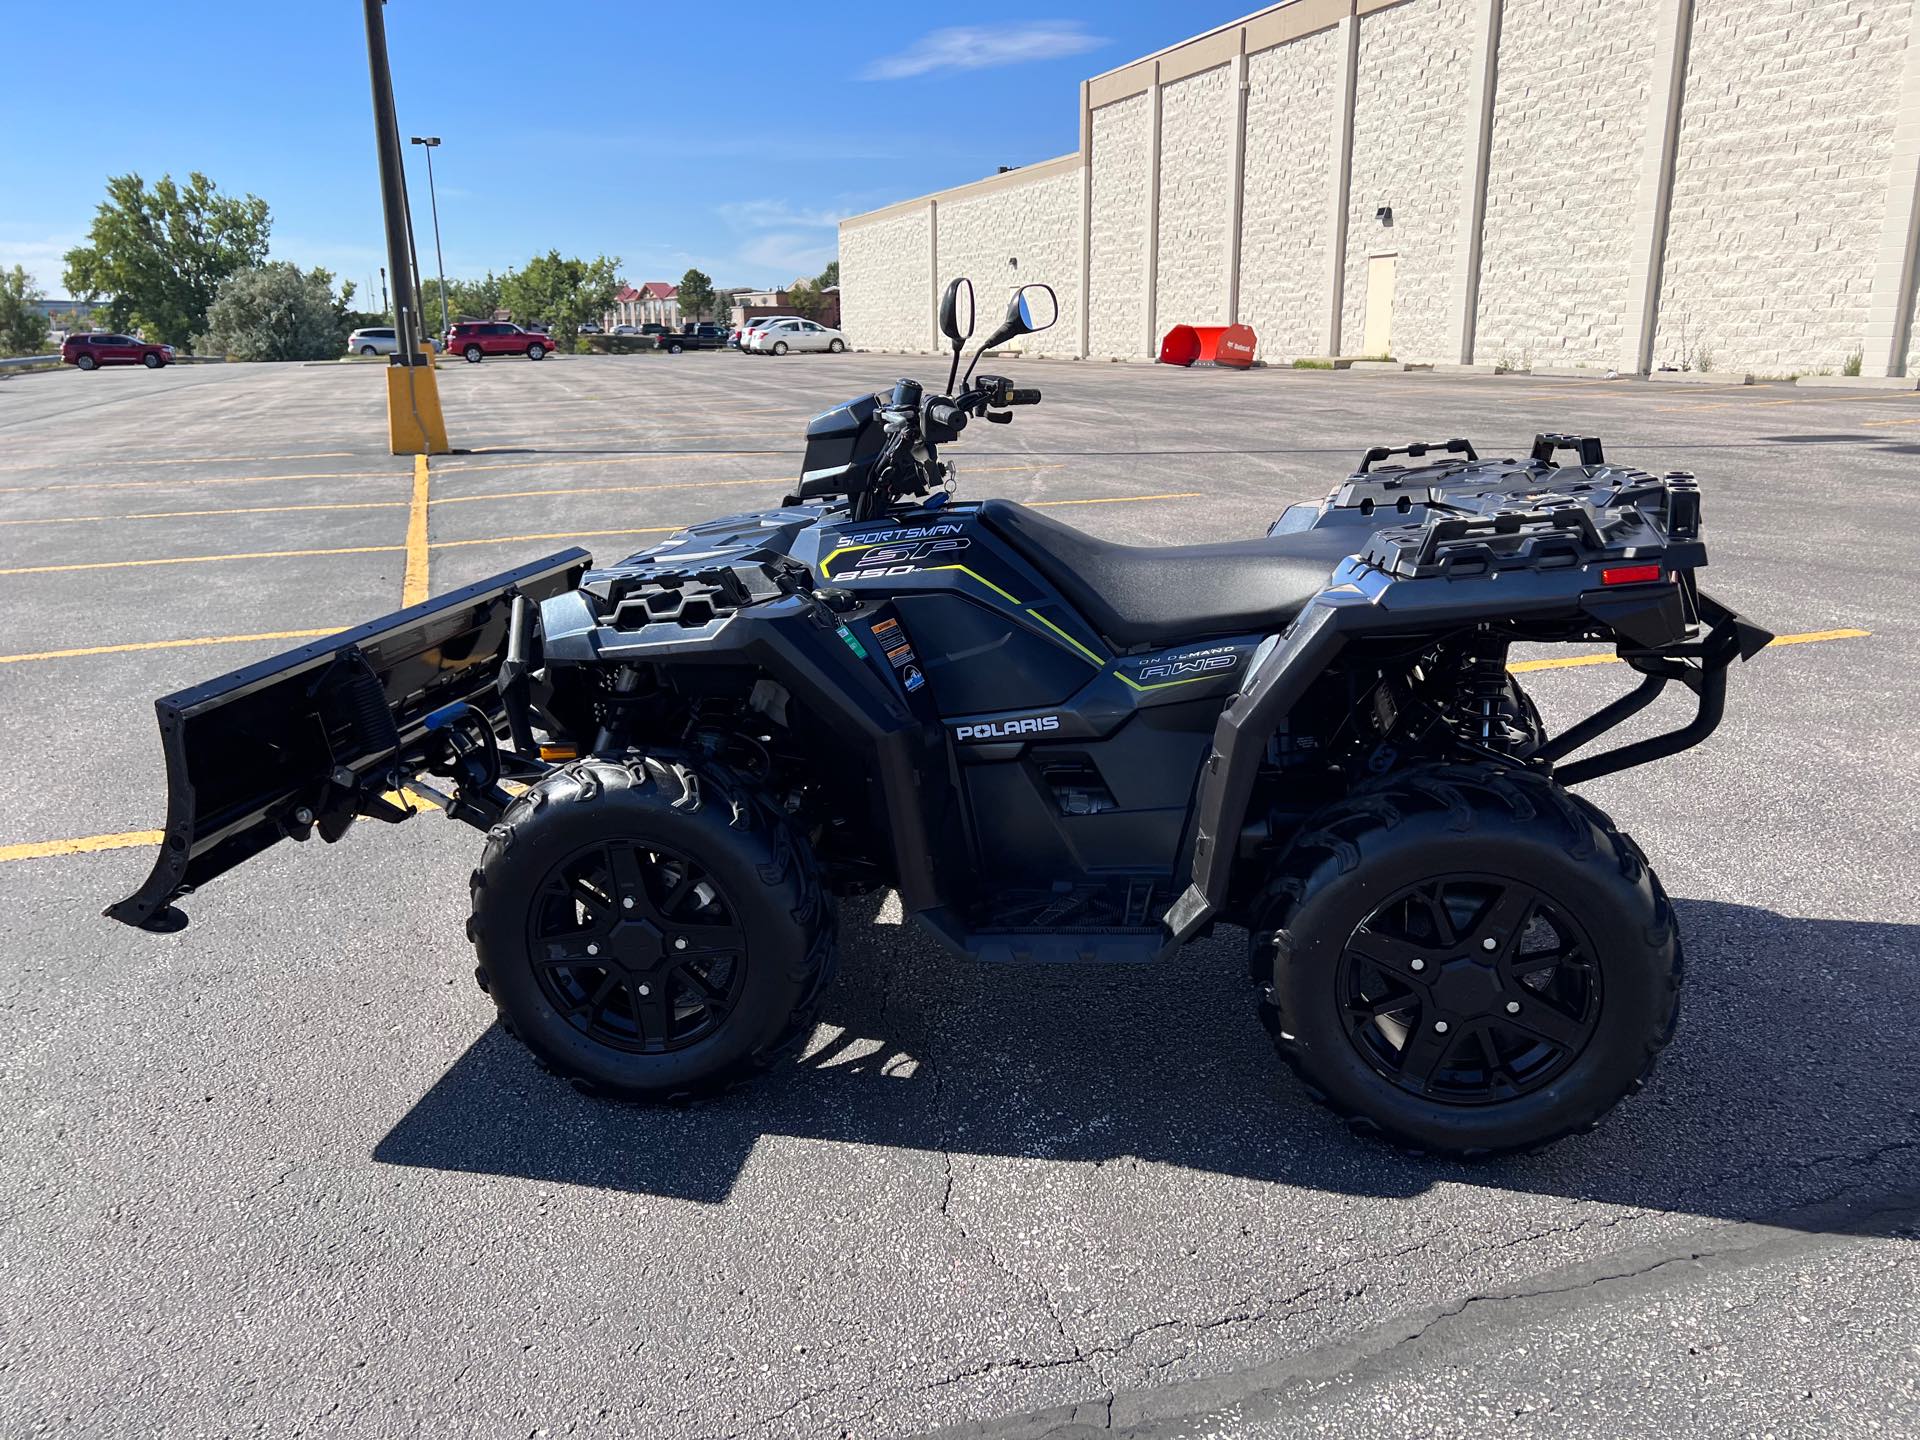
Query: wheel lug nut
pixel 680 943
pixel 627 904
pixel 1416 965
pixel 1513 1007
pixel 593 949
pixel 1489 944
pixel 1439 1027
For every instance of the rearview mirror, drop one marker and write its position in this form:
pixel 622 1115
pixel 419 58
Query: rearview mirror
pixel 1034 307
pixel 956 311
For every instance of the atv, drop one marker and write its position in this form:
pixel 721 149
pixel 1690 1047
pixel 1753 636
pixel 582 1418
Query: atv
pixel 1055 749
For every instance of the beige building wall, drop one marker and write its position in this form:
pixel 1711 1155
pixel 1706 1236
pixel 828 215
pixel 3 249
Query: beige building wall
pixel 1197 118
pixel 1409 130
pixel 1294 97
pixel 1570 181
pixel 1786 133
pixel 1569 121
pixel 886 279
pixel 1117 248
pixel 1036 223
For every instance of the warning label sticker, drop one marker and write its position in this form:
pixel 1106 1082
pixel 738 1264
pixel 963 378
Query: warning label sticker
pixel 893 642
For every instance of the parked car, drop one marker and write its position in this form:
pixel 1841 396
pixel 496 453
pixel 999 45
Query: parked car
pixel 477 339
pixel 755 326
pixel 379 340
pixel 590 328
pixel 691 337
pixel 653 328
pixel 781 336
pixel 91 350
pixel 626 330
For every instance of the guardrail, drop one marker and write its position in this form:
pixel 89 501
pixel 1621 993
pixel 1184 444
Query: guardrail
pixel 21 362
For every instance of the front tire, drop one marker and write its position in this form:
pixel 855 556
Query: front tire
pixel 649 930
pixel 1468 959
pixel 151 361
pixel 834 347
pixel 473 354
pixel 536 352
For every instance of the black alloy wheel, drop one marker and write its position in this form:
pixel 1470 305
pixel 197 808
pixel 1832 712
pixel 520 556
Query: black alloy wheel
pixel 1469 989
pixel 637 947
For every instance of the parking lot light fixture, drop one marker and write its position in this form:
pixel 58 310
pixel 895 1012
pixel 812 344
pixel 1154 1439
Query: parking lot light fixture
pixel 431 142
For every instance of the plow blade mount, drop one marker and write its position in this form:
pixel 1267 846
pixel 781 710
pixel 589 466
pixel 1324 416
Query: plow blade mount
pixel 299 742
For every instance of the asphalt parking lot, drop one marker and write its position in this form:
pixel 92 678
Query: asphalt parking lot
pixel 280 1174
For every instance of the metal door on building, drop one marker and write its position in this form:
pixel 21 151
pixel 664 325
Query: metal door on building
pixel 1378 340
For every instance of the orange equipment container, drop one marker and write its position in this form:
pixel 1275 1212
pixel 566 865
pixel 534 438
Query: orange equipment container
pixel 1230 345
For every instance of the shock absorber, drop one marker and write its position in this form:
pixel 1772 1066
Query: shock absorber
pixel 1484 692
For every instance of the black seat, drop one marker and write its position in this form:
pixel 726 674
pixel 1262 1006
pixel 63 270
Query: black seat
pixel 1167 594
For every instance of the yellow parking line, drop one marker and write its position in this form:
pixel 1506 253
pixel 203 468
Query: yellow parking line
pixel 165 645
pixel 1881 424
pixel 198 514
pixel 177 484
pixel 1811 637
pixel 85 845
pixel 414 588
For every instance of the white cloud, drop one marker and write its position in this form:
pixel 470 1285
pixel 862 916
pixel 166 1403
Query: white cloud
pixel 43 257
pixel 785 255
pixel 768 213
pixel 970 47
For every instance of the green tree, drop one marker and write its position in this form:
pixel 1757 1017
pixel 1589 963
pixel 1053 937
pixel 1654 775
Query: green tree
pixel 159 255
pixel 696 295
pixel 829 277
pixel 23 328
pixel 561 293
pixel 277 312
pixel 803 299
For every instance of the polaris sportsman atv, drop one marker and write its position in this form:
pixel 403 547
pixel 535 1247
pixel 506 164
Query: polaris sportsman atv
pixel 1055 749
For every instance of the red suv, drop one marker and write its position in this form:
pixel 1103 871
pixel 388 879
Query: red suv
pixel 92 351
pixel 477 339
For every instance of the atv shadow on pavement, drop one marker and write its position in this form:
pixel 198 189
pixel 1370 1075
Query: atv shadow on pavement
pixel 1792 1079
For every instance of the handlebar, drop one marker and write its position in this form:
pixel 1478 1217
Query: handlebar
pixel 1024 397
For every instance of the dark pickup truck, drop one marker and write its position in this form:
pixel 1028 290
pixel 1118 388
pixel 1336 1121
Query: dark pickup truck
pixel 691 337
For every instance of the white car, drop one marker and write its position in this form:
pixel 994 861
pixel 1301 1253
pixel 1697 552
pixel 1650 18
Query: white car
pixel 379 340
pixel 777 337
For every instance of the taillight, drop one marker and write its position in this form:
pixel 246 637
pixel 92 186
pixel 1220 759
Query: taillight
pixel 1629 574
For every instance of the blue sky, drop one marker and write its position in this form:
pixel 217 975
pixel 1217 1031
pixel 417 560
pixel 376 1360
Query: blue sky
pixel 566 124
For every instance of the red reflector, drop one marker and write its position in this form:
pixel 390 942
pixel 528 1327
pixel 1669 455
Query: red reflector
pixel 1629 574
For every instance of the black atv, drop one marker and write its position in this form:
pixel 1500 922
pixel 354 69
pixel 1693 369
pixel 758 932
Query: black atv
pixel 1055 749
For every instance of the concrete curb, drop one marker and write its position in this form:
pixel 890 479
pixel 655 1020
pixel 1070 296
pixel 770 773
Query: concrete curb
pixel 1858 382
pixel 1387 367
pixel 1575 372
pixel 1701 377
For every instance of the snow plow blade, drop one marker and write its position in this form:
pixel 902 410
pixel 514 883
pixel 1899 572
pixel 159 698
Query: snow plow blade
pixel 308 740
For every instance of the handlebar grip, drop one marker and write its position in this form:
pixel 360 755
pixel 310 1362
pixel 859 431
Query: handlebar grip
pixel 1029 396
pixel 950 417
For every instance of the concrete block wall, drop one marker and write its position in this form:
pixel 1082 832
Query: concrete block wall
pixel 1569 121
pixel 1409 130
pixel 1037 224
pixel 1786 131
pixel 1197 117
pixel 1294 97
pixel 1117 253
pixel 886 280
pixel 1616 183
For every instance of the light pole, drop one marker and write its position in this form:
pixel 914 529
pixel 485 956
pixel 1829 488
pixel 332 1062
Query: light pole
pixel 433 203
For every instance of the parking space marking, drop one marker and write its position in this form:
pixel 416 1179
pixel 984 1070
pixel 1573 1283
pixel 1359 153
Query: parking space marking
pixel 205 480
pixel 85 845
pixel 198 514
pixel 165 645
pixel 210 460
pixel 556 535
pixel 413 589
pixel 1571 662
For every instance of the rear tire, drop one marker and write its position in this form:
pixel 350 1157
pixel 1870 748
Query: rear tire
pixel 702 980
pixel 1386 1000
pixel 86 362
pixel 368 351
pixel 675 349
pixel 779 347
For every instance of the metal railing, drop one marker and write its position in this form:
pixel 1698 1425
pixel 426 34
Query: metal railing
pixel 21 362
